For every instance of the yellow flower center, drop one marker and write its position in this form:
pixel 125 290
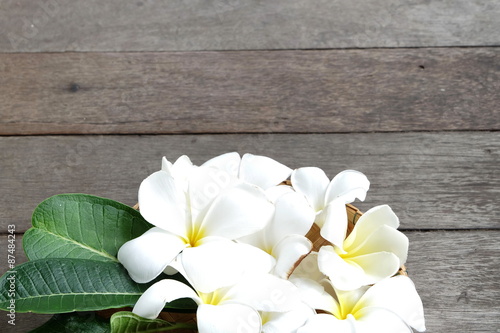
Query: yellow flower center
pixel 344 313
pixel 194 237
pixel 265 316
pixel 348 308
pixel 213 298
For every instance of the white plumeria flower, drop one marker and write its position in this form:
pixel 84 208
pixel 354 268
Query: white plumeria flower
pixel 320 191
pixel 284 237
pixel 328 198
pixel 390 306
pixel 373 251
pixel 229 309
pixel 254 169
pixel 199 215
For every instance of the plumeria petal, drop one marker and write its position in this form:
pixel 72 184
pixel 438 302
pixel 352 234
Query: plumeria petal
pixel 229 162
pixel 227 318
pixel 263 171
pixel 153 300
pixel 377 266
pixel 255 260
pixel 182 168
pixel 212 265
pixel 343 274
pixel 146 256
pixel 288 252
pixel 397 294
pixel 371 221
pixel 322 322
pixel 293 215
pixel 166 165
pixel 161 203
pixel 312 182
pixel 257 239
pixel 348 185
pixel 286 322
pixel 384 239
pixel 314 295
pixel 334 223
pixel 379 320
pixel 275 192
pixel 238 211
pixel 308 268
pixel 205 184
pixel 222 263
pixel 265 292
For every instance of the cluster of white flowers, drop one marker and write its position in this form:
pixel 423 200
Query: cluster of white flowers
pixel 236 232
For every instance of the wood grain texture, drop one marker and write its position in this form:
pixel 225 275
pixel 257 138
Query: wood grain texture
pixel 431 180
pixel 456 273
pixel 279 91
pixel 64 25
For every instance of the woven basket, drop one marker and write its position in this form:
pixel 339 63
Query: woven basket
pixel 353 214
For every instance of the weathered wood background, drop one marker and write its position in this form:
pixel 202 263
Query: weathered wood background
pixel 94 93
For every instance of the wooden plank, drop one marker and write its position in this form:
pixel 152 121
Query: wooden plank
pixel 63 25
pixel 432 180
pixel 456 274
pixel 220 92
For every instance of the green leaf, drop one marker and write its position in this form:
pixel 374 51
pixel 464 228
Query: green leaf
pixel 182 304
pixel 128 322
pixel 65 285
pixel 75 322
pixel 81 226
